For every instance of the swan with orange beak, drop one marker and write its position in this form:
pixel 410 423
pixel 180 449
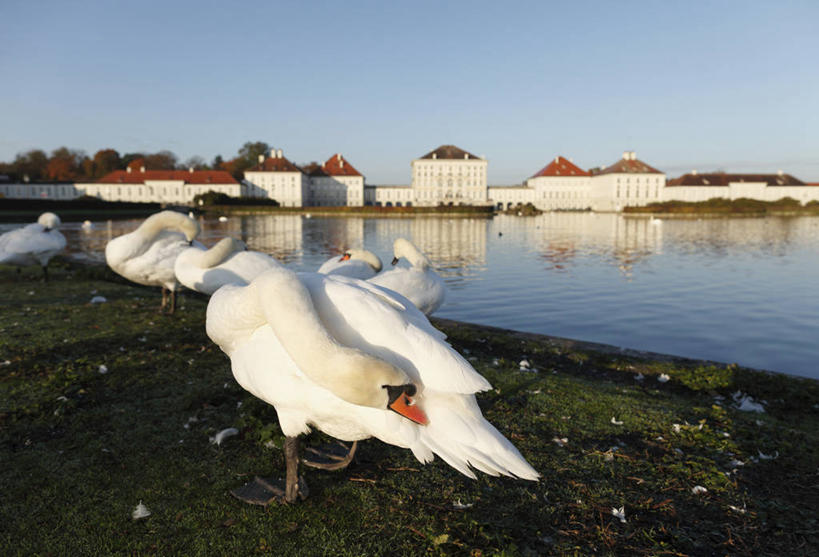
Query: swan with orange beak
pixel 353 360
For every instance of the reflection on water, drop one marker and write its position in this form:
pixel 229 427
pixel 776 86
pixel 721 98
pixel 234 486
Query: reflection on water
pixel 734 289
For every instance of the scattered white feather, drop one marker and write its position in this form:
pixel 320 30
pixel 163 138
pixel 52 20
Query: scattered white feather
pixel 698 490
pixel 62 398
pixel 676 428
pixel 615 421
pixel 224 434
pixel 524 365
pixel 639 377
pixel 561 441
pixel 5 363
pixel 737 509
pixel 746 403
pixel 460 506
pixel 763 456
pixel 223 219
pixel 98 300
pixel 663 378
pixel 141 511
pixel 734 463
pixel 495 362
pixel 619 513
pixel 103 369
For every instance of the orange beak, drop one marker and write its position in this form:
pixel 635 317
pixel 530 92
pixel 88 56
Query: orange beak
pixel 345 257
pixel 405 406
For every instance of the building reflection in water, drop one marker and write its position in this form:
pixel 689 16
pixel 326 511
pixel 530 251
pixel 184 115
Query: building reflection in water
pixel 458 246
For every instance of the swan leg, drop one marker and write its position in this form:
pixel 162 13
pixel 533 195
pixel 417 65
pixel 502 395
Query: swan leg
pixel 263 491
pixel 173 302
pixel 330 457
pixel 45 273
pixel 164 300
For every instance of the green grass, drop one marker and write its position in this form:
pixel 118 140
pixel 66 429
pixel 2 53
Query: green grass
pixel 79 449
pixel 729 207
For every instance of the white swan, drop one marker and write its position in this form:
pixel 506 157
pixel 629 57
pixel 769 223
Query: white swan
pixel 354 263
pixel 33 244
pixel 227 262
pixel 355 361
pixel 146 255
pixel 419 283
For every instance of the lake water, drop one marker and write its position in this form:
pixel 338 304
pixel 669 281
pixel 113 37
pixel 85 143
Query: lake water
pixel 742 290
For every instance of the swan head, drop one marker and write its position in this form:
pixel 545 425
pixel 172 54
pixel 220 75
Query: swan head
pixel 49 221
pixel 379 384
pixel 406 249
pixel 363 255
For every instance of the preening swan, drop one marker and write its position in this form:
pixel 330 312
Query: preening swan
pixel 147 255
pixel 355 263
pixel 419 283
pixel 33 244
pixel 355 361
pixel 227 262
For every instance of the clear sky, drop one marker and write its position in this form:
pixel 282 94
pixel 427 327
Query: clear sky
pixel 707 85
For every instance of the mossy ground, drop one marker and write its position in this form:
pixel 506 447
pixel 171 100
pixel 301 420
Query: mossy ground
pixel 79 448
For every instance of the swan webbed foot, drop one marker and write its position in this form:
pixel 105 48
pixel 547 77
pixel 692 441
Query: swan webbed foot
pixel 264 491
pixel 334 456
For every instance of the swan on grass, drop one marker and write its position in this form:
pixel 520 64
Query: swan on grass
pixel 147 255
pixel 354 360
pixel 419 282
pixel 33 244
pixel 227 262
pixel 354 263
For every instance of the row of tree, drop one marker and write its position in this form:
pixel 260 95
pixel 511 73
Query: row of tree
pixel 73 165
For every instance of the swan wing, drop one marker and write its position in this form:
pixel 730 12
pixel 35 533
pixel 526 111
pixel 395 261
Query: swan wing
pixel 384 327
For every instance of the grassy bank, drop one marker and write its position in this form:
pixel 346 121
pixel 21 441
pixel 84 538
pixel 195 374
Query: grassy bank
pixel 726 207
pixel 81 448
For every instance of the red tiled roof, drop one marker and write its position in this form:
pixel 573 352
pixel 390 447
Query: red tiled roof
pixel 450 152
pixel 195 177
pixel 561 166
pixel 278 164
pixel 313 169
pixel 723 179
pixel 337 165
pixel 628 166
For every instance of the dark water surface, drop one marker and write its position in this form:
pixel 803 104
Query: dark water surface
pixel 742 290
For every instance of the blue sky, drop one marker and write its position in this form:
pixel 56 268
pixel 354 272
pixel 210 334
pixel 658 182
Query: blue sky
pixel 706 85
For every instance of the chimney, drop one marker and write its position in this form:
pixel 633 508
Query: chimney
pixel 338 156
pixel 279 153
pixel 466 155
pixel 780 172
pixel 694 172
pixel 190 170
pixel 128 170
pixel 272 153
pixel 261 159
pixel 557 159
pixel 434 155
pixel 340 163
pixel 142 168
pixel 625 155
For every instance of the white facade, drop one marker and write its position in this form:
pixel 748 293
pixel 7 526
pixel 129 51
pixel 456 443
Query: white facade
pixel 763 187
pixel 277 178
pixel 449 176
pixel 507 197
pixel 336 183
pixel 627 183
pixel 389 196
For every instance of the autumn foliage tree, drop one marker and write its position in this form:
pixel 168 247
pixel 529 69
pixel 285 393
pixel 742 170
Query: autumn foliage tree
pixel 65 164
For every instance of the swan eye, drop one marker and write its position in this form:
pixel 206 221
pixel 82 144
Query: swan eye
pixel 395 261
